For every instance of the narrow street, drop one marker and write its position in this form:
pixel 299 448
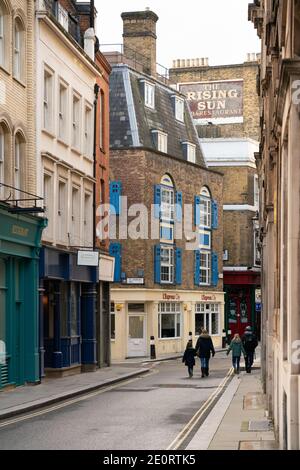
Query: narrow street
pixel 144 413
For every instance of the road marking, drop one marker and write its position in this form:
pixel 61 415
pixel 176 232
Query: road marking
pixel 72 401
pixel 189 427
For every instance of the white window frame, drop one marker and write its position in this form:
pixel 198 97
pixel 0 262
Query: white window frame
pixel 208 310
pixel 149 95
pixel 48 201
pixel 88 128
pixel 170 308
pixel 76 119
pixel 168 263
pixel 48 87
pixel 17 61
pixel 205 232
pixel 2 38
pixel 162 141
pixel 179 109
pixel 167 207
pixel 87 219
pixel 205 208
pixel 205 268
pixel 63 89
pixel 62 210
pixel 190 152
pixel 75 213
pixel 17 159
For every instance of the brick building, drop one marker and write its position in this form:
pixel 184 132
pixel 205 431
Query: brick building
pixel 20 230
pixel 277 25
pixel 162 288
pixel 225 108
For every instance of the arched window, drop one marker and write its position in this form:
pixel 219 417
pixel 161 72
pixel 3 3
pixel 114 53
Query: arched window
pixel 19 49
pixel 4 158
pixel 4 33
pixel 167 198
pixel 19 166
pixel 205 207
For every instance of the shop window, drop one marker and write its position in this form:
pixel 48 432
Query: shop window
pixel 207 316
pixel 169 320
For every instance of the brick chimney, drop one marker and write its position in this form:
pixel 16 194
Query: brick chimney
pixel 139 33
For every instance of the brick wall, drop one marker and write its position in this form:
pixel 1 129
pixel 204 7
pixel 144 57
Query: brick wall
pixel 248 72
pixel 139 171
pixel 238 238
pixel 18 99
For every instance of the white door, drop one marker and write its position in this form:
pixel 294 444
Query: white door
pixel 137 336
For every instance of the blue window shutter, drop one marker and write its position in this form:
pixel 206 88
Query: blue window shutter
pixel 197 267
pixel 157 200
pixel 115 189
pixel 214 215
pixel 197 200
pixel 178 269
pixel 179 206
pixel 157 264
pixel 214 269
pixel 115 250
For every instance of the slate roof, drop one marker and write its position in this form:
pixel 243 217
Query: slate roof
pixel 131 122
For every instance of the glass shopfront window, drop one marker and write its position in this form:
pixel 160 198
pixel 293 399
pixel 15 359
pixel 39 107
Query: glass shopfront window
pixel 169 320
pixel 207 316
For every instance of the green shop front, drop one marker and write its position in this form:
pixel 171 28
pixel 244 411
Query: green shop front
pixel 20 241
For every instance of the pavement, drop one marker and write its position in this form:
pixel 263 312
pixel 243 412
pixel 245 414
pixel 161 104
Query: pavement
pixel 239 419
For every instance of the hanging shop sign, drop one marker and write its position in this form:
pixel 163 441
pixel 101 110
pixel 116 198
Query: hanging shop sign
pixel 87 258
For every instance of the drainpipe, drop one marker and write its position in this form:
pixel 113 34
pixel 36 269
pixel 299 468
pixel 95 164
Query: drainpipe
pixel 96 91
pixel 92 13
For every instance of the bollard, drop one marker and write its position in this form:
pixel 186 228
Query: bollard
pixel 152 348
pixel 224 339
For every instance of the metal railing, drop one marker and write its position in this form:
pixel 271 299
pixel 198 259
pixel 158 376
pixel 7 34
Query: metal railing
pixel 115 54
pixel 69 22
pixel 19 200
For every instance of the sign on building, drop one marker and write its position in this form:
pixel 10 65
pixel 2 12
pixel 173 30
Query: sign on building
pixel 216 102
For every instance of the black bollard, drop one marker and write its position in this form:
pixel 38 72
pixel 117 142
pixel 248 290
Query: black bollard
pixel 152 348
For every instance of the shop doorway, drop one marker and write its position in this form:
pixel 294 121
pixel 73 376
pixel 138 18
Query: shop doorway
pixel 137 344
pixel 239 311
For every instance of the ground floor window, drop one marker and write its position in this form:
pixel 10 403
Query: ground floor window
pixel 207 316
pixel 112 321
pixel 169 320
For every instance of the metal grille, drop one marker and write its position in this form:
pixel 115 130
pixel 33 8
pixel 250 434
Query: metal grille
pixel 3 374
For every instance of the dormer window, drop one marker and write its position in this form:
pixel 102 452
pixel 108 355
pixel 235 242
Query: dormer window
pixel 149 94
pixel 178 104
pixel 189 151
pixel 160 141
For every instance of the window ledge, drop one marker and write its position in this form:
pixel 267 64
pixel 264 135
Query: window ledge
pixel 20 82
pixel 76 150
pixel 49 133
pixel 88 158
pixel 177 338
pixel 61 141
pixel 6 70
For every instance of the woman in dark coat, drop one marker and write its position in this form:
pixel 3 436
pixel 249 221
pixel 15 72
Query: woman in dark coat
pixel 204 347
pixel 189 357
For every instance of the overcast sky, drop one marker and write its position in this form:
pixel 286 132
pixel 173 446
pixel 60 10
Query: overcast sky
pixel 217 29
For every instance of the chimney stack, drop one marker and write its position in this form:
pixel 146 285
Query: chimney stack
pixel 139 36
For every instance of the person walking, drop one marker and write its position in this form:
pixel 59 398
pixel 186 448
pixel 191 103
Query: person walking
pixel 204 348
pixel 189 357
pixel 250 342
pixel 237 348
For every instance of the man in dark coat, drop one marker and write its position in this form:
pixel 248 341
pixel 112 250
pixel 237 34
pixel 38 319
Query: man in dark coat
pixel 204 347
pixel 189 357
pixel 250 342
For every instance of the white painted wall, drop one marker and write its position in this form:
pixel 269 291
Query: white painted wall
pixel 229 152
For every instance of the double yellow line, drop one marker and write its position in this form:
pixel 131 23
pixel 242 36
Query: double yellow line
pixel 190 426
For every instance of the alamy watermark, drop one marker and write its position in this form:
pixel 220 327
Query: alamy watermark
pixel 138 222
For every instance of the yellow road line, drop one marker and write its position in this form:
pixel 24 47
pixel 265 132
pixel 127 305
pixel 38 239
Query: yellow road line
pixel 70 402
pixel 188 428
